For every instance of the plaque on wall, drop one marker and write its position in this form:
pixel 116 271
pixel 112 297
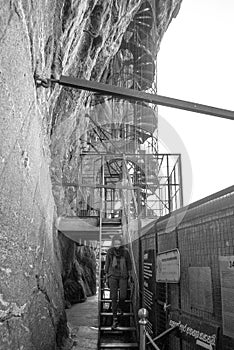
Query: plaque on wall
pixel 200 288
pixel 226 264
pixel 168 266
pixel 205 335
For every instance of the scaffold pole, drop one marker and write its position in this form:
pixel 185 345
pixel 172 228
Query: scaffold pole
pixel 120 92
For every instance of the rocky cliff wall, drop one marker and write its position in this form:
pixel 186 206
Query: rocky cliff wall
pixel 78 272
pixel 31 293
pixel 39 146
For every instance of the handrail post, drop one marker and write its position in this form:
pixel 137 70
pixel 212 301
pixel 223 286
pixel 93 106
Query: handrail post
pixel 142 314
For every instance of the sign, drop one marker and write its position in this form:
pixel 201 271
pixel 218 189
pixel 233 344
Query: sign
pixel 226 267
pixel 168 267
pixel 149 283
pixel 200 288
pixel 194 330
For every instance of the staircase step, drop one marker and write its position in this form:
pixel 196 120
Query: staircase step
pixel 109 301
pixel 112 229
pixel 110 222
pixel 106 235
pixel 118 345
pixel 109 329
pixel 108 289
pixel 111 314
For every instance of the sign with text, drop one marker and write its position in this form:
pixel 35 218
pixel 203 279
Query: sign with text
pixel 226 267
pixel 149 287
pixel 193 330
pixel 168 267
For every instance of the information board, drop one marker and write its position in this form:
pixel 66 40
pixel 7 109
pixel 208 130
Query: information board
pixel 226 264
pixel 193 330
pixel 149 288
pixel 168 266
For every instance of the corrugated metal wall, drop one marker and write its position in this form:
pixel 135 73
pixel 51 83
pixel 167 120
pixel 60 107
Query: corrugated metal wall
pixel 203 232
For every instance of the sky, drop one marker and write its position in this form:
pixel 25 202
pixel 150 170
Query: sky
pixel 196 63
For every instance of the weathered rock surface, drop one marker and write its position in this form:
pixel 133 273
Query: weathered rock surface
pixel 78 272
pixel 40 133
pixel 93 34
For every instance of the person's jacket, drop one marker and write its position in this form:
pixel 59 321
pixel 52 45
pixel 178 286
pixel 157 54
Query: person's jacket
pixel 118 263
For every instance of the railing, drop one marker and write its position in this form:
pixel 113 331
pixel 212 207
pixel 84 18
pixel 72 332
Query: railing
pixel 152 181
pixel 143 315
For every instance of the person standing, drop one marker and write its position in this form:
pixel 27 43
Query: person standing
pixel 117 271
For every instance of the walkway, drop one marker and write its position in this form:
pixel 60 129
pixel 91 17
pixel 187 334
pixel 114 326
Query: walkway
pixel 83 321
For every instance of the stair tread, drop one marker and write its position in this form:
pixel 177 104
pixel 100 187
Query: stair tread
pixel 108 289
pixel 109 300
pixel 111 221
pixel 119 328
pixel 118 345
pixel 112 229
pixel 111 224
pixel 111 313
pixel 110 232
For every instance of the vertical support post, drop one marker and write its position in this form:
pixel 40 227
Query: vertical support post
pixel 168 188
pixel 178 284
pixel 181 183
pixel 100 231
pixel 100 246
pixel 101 213
pixel 167 299
pixel 174 195
pixel 142 336
pixel 142 314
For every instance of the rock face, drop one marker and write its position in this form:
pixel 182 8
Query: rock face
pixel 95 38
pixel 40 132
pixel 78 272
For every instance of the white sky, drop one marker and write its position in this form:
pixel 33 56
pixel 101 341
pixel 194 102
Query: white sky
pixel 196 63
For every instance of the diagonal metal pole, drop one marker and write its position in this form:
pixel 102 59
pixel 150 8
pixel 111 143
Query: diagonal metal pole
pixel 124 93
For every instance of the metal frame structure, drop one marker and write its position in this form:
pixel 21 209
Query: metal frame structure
pixel 152 181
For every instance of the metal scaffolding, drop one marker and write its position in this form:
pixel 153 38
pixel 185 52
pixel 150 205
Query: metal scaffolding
pixel 119 151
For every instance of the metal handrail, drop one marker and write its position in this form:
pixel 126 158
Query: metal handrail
pixel 166 332
pixel 143 315
pixel 151 341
